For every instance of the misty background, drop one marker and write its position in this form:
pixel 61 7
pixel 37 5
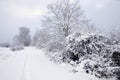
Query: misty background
pixel 16 13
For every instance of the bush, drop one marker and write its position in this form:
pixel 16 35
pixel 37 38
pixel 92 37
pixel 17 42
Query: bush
pixel 100 71
pixel 17 48
pixel 116 62
pixel 100 54
pixel 55 46
pixel 116 58
pixel 86 45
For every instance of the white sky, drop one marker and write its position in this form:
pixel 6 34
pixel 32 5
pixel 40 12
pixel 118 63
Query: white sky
pixel 17 13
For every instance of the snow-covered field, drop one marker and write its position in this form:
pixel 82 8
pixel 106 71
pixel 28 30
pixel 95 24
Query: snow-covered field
pixel 32 64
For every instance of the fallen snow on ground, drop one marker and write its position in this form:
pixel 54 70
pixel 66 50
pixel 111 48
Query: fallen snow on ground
pixel 32 64
pixel 4 53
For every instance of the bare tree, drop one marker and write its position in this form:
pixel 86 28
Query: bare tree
pixel 65 16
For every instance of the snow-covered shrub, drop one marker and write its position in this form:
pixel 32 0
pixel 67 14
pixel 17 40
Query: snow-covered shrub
pixel 87 44
pixel 41 38
pixel 116 62
pixel 104 67
pixel 90 66
pixel 98 69
pixel 116 58
pixel 17 48
pixel 114 35
pixel 55 57
pixel 116 71
pixel 55 46
pixel 5 45
pixel 95 48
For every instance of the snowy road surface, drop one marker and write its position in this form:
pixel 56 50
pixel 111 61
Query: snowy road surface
pixel 32 64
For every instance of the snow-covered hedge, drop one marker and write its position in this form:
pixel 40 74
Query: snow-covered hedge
pixel 100 56
pixel 87 44
pixel 17 48
pixel 96 49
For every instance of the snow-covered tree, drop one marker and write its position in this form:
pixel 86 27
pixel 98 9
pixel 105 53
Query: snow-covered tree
pixel 36 37
pixel 23 38
pixel 46 39
pixel 41 38
pixel 65 17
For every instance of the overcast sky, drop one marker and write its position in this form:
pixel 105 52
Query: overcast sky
pixel 17 13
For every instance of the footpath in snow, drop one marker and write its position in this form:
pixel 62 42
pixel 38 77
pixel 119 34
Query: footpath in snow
pixel 32 64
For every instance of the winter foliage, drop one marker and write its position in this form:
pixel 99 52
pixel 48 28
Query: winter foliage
pixel 23 38
pixel 65 17
pixel 99 55
pixel 17 48
pixel 114 35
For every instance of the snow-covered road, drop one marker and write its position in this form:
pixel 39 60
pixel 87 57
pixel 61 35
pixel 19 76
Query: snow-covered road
pixel 38 67
pixel 32 64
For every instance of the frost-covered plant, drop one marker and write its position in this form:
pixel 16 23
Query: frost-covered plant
pixel 114 35
pixel 17 48
pixel 48 40
pixel 23 38
pixel 100 70
pixel 96 49
pixel 41 38
pixel 55 46
pixel 87 44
